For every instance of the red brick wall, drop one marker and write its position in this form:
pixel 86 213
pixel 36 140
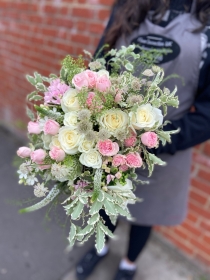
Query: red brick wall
pixel 36 35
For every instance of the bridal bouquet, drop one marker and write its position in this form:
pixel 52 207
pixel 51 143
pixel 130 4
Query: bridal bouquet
pixel 90 130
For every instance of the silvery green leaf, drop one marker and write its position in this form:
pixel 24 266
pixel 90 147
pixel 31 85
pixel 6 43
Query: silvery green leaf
pixel 36 98
pixel 38 77
pixel 156 160
pixel 41 87
pixel 100 239
pixel 77 211
pixel 31 80
pixel 54 192
pixel 88 236
pixel 129 66
pixel 108 196
pixel 165 135
pixel 106 230
pixel 45 79
pixel 53 76
pixel 30 95
pixel 109 207
pixel 119 199
pixel 63 74
pixel 100 196
pixel 83 199
pixel 87 194
pixel 30 114
pixel 71 205
pixel 113 220
pixel 94 219
pixel 97 205
pixel 122 211
pixel 72 233
pixel 85 230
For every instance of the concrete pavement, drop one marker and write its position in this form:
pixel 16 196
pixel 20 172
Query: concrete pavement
pixel 32 248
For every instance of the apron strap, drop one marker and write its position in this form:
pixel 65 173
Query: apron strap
pixel 193 7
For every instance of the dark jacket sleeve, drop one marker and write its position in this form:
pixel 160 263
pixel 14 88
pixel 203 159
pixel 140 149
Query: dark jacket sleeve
pixel 195 126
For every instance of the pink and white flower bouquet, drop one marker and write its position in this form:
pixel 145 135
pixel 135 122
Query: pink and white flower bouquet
pixel 90 133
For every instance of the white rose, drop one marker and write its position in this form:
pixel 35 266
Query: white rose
pixel 91 159
pixel 70 119
pixel 102 73
pixel 46 140
pixel 145 117
pixel 85 146
pixel 114 119
pixel 70 101
pixel 55 142
pixel 69 140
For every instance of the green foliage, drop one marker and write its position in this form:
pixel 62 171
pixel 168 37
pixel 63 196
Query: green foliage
pixel 71 67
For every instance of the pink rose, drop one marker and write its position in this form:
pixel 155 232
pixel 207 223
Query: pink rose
pixel 92 78
pixel 130 142
pixel 123 168
pixel 57 153
pixel 109 178
pixel 118 97
pixel 51 127
pixel 24 152
pixel 108 148
pixel 103 83
pixel 149 139
pixel 34 128
pixel 90 98
pixel 38 156
pixel 80 80
pixel 134 160
pixel 119 160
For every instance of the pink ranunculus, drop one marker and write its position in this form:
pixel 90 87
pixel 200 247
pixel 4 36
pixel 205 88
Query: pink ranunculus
pixel 57 153
pixel 34 128
pixel 149 139
pixel 55 92
pixel 109 178
pixel 103 83
pixel 123 168
pixel 43 166
pixel 90 98
pixel 51 127
pixel 118 97
pixel 131 141
pixel 38 156
pixel 108 148
pixel 80 80
pixel 118 160
pixel 134 160
pixel 92 78
pixel 24 152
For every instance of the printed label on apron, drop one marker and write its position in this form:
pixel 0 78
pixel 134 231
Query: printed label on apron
pixel 154 41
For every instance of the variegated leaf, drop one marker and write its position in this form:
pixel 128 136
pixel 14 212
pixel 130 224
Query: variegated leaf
pixel 109 207
pixel 77 211
pixel 94 219
pixel 95 207
pixel 85 230
pixel 106 230
pixel 100 196
pixel 100 239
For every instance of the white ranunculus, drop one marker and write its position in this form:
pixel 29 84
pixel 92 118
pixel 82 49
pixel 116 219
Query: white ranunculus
pixel 70 101
pixel 69 140
pixel 55 142
pixel 71 119
pixel 114 119
pixel 145 117
pixel 91 159
pixel 102 73
pixel 85 146
pixel 125 191
pixel 46 140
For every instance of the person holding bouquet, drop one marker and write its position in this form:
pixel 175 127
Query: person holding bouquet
pixel 180 26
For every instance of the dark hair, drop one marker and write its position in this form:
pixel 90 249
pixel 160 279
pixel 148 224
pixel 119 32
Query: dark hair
pixel 131 13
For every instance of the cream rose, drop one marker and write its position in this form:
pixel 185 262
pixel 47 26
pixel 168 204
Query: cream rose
pixel 70 102
pixel 55 142
pixel 69 140
pixel 145 117
pixel 70 119
pixel 85 146
pixel 91 159
pixel 114 119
